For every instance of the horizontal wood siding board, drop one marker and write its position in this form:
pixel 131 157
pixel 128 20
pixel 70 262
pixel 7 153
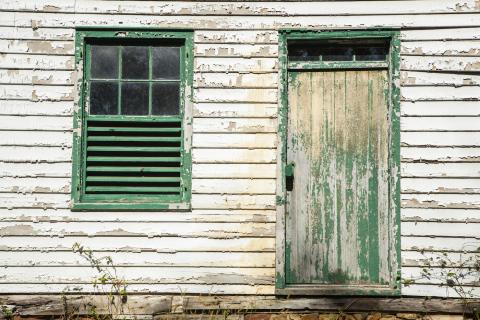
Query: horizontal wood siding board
pixel 440 215
pixel 233 8
pixel 174 288
pixel 142 259
pixel 440 244
pixel 124 243
pixel 440 154
pixel 64 20
pixel 164 229
pixel 36 77
pixel 440 108
pixel 208 215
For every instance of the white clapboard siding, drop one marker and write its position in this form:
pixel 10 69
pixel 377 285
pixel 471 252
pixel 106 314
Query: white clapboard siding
pixel 36 77
pixel 134 243
pixel 434 20
pixel 236 80
pixel 234 50
pixel 442 48
pixel 233 110
pixel 226 243
pixel 138 259
pixel 435 290
pixel 206 201
pixel 440 185
pixel 467 139
pixel 144 275
pixel 427 63
pixel 440 93
pixel 440 108
pixel 444 154
pixel 440 123
pixel 441 34
pixel 462 201
pixel 35 169
pixel 40 138
pixel 37 200
pixel 439 229
pixel 36 154
pixel 451 170
pixel 425 78
pixel 36 93
pixel 35 123
pixel 234 186
pixel 438 275
pixel 51 34
pixel 235 36
pixel 252 140
pixel 37 47
pixel 235 95
pixel 153 229
pixel 454 259
pixel 199 201
pixel 440 214
pixel 36 108
pixel 211 64
pixel 208 215
pixel 176 288
pixel 218 170
pixel 36 185
pixel 234 156
pixel 37 62
pixel 234 125
pixel 233 8
pixel 457 243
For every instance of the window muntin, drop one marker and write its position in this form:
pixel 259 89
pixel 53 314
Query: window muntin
pixel 147 79
pixel 132 150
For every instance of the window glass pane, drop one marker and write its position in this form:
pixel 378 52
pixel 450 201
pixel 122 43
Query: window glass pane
pixel 134 98
pixel 104 62
pixel 337 54
pixel 103 97
pixel 302 52
pixel 165 98
pixel 371 54
pixel 135 62
pixel 166 62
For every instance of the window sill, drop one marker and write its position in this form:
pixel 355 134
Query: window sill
pixel 335 290
pixel 151 206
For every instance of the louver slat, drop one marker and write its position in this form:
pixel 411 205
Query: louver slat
pixel 134 158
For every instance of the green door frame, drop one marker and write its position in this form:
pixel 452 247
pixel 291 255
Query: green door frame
pixel 281 288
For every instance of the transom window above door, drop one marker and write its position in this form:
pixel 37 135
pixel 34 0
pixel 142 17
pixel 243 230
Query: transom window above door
pixel 338 50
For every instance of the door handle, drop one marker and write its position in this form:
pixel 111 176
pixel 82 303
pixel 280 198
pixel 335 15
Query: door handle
pixel 289 175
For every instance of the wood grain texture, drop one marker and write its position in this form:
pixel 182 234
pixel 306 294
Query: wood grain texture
pixel 337 210
pixel 234 142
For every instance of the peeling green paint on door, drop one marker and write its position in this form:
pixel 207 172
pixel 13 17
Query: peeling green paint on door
pixel 337 211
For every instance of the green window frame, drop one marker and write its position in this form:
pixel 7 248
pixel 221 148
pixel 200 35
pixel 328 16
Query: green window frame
pixel 133 154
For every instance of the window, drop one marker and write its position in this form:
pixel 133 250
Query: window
pixel 131 147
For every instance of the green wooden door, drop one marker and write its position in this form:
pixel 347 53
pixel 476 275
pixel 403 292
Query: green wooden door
pixel 337 212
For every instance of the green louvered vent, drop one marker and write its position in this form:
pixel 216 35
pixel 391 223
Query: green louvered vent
pixel 133 157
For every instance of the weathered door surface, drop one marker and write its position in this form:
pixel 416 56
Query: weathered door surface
pixel 337 201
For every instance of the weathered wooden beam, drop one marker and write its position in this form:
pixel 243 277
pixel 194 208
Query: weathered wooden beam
pixel 43 305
